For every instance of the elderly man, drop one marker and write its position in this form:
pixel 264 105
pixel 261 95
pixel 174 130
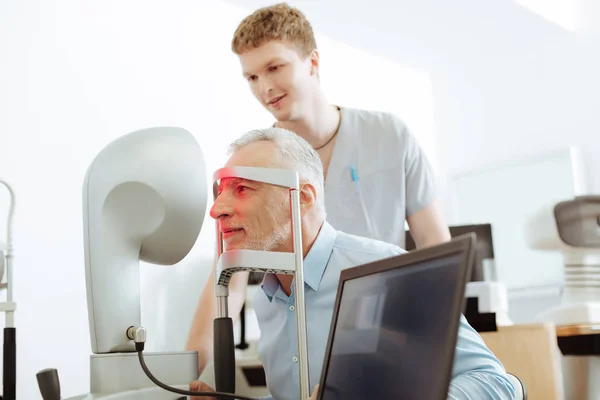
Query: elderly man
pixel 253 215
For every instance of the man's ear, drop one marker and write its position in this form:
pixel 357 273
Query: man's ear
pixel 308 198
pixel 314 62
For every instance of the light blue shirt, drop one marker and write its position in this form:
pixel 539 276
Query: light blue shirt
pixel 477 373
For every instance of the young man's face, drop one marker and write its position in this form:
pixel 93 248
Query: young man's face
pixel 253 215
pixel 280 78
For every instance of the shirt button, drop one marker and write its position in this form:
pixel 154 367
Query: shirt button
pixel 295 359
pixel 292 308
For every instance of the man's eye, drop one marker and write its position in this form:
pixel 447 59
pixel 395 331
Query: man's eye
pixel 273 68
pixel 241 189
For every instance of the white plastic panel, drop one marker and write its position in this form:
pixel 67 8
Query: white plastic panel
pixel 273 176
pixel 144 198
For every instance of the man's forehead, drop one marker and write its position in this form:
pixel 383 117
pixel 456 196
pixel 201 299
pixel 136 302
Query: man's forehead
pixel 230 181
pixel 256 59
pixel 233 181
pixel 251 68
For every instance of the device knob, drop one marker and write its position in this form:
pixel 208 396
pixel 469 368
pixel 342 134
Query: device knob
pixel 49 384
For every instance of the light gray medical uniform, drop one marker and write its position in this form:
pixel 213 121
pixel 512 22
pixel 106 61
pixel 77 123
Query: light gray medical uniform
pixel 395 178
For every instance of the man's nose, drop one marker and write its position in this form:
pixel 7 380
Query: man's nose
pixel 220 208
pixel 265 86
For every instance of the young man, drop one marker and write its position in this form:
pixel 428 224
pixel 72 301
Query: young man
pixel 376 175
pixel 256 216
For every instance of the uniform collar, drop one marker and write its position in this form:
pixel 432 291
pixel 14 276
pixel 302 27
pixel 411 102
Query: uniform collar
pixel 315 263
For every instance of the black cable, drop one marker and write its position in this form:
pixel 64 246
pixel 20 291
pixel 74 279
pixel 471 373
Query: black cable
pixel 186 392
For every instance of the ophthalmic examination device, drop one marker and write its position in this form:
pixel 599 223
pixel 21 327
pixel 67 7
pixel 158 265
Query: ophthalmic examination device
pixel 145 199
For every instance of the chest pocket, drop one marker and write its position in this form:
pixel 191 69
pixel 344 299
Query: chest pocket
pixel 383 194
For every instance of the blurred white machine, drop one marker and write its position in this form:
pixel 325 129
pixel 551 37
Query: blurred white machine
pixel 572 227
pixel 144 198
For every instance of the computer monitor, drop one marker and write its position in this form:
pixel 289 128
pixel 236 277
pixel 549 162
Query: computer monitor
pixel 484 249
pixel 395 324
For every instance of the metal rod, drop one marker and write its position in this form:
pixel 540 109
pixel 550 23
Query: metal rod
pixel 219 241
pixel 9 314
pixel 299 296
pixel 9 372
pixel 222 302
pixel 222 307
pixel 10 317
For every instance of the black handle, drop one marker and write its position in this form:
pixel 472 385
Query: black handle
pixel 242 345
pixel 9 372
pixel 224 355
pixel 49 384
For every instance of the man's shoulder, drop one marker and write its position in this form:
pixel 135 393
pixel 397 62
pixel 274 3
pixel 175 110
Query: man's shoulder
pixel 377 130
pixel 376 118
pixel 364 248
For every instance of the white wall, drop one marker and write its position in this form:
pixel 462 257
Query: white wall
pixel 73 77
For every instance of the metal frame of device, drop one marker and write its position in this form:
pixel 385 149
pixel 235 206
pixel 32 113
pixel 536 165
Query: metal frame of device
pixel 464 244
pixel 232 261
pixel 9 358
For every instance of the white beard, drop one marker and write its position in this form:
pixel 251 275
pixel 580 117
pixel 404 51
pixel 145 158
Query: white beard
pixel 278 236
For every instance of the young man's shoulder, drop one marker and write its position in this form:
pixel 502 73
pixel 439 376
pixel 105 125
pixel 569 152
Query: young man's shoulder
pixel 381 123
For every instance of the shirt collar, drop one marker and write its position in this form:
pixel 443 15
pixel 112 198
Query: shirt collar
pixel 315 263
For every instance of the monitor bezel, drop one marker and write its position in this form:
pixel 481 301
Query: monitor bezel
pixel 463 244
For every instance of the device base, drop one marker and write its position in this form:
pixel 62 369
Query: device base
pixel 122 372
pixel 154 393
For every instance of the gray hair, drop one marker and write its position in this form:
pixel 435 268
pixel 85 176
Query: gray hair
pixel 294 153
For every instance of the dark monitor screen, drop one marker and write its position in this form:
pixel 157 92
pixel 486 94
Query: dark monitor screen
pixel 484 247
pixel 395 332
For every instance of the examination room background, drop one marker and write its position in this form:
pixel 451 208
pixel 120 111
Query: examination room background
pixel 477 82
